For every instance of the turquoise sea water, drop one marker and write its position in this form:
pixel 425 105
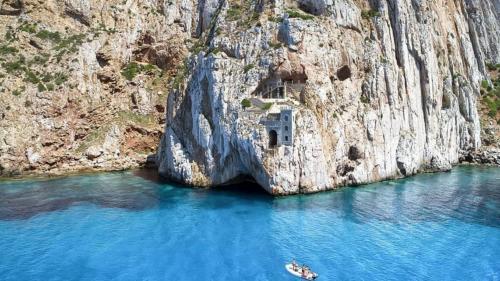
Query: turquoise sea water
pixel 128 226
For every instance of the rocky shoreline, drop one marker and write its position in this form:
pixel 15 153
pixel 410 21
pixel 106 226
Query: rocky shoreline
pixel 485 156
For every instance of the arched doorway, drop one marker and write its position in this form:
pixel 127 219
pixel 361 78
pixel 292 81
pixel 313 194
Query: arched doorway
pixel 273 138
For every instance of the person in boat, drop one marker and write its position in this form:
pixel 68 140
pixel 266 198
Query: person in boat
pixel 295 266
pixel 305 271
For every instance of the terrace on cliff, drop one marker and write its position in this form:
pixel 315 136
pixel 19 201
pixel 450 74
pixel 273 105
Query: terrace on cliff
pixel 275 102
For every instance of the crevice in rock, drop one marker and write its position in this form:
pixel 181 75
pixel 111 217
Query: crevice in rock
pixel 445 102
pixel 206 105
pixel 79 17
pixel 395 35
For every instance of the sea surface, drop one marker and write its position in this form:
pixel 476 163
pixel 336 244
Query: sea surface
pixel 130 226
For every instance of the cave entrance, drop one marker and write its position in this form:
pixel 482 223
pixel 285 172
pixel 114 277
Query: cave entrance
pixel 273 138
pixel 244 185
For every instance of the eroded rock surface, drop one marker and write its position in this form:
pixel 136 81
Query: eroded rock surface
pixel 83 83
pixel 391 89
pixel 377 89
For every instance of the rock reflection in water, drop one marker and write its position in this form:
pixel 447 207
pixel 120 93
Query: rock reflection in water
pixel 460 194
pixel 24 199
pixel 463 194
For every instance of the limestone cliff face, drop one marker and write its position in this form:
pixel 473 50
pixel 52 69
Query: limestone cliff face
pixel 390 88
pixel 381 89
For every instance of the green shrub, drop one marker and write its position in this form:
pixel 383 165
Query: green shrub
pixel 197 47
pixel 6 50
pixel 267 105
pixel 245 103
pixel 493 106
pixel 364 99
pixel 47 77
pixel 233 13
pixel 9 35
pixel 60 54
pixel 31 77
pixel 16 92
pixel 275 45
pixel 70 43
pixel 484 84
pixel 48 35
pixel 276 19
pixel 248 67
pixel 492 66
pixel 40 60
pixel 50 87
pixel 367 14
pixel 41 87
pixel 29 28
pixel 131 70
pixel 129 116
pixel 13 67
pixel 180 75
pixel 296 14
pixel 214 51
pixel 60 78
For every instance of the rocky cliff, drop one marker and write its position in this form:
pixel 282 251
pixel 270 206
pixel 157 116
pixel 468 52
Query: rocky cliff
pixel 83 83
pixel 388 89
pixel 373 89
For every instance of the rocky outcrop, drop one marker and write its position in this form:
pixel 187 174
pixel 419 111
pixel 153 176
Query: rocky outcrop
pixel 378 89
pixel 483 156
pixel 83 83
pixel 391 89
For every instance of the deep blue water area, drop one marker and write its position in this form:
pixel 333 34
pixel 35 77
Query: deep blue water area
pixel 130 226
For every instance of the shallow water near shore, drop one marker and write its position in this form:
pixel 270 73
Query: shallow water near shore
pixel 130 226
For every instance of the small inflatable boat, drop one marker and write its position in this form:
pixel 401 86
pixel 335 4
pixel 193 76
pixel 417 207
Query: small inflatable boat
pixel 298 272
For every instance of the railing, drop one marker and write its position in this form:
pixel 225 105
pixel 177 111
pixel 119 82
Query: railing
pixel 281 88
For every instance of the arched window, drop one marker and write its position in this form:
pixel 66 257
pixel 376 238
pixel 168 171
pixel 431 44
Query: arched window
pixel 286 117
pixel 286 138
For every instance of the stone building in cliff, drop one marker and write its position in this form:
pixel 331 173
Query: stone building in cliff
pixel 279 127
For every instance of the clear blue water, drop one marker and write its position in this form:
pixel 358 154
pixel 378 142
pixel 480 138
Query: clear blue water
pixel 127 226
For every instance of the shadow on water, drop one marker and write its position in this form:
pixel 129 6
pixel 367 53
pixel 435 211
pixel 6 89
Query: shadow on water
pixel 25 199
pixel 471 195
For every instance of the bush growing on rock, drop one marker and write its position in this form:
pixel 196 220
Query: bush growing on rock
pixel 41 87
pixel 367 14
pixel 492 66
pixel 245 103
pixel 296 14
pixel 6 50
pixel 267 105
pixel 248 67
pixel 48 35
pixel 131 70
pixel 233 13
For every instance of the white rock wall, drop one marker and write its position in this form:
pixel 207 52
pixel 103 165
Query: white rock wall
pixel 410 104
